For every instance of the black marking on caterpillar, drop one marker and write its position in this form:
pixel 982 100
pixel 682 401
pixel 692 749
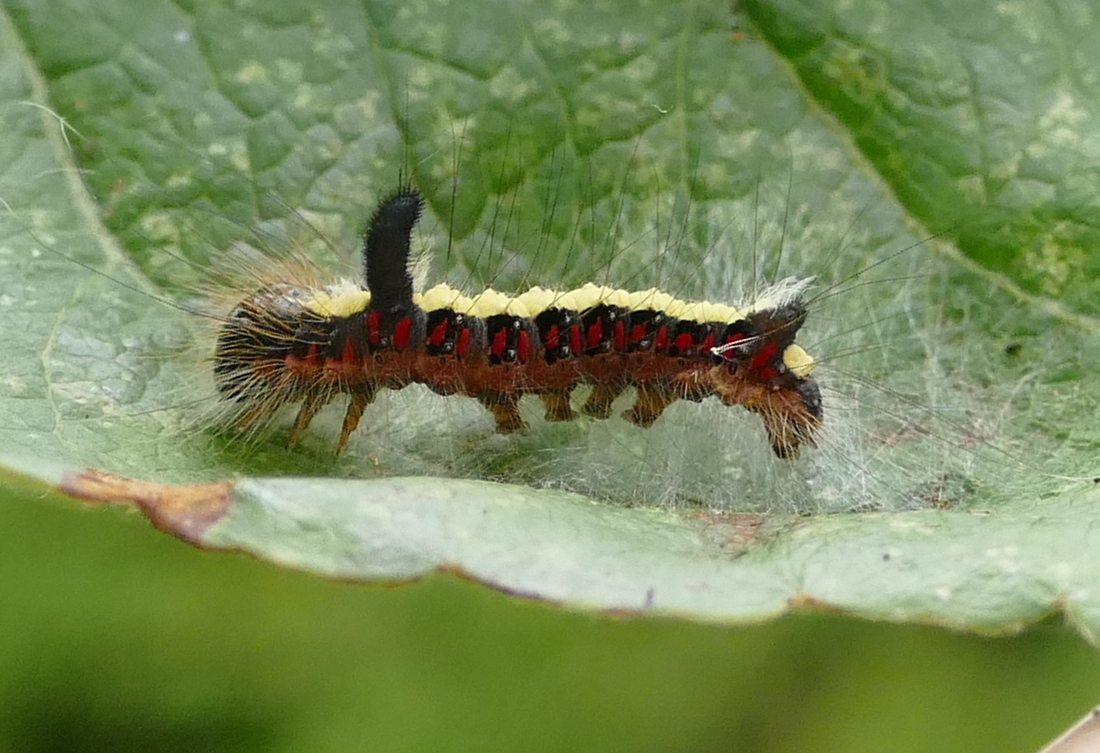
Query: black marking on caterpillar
pixel 287 344
pixel 386 249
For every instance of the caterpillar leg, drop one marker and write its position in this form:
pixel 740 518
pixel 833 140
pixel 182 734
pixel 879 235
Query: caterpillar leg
pixel 505 410
pixel 312 404
pixel 360 399
pixel 557 406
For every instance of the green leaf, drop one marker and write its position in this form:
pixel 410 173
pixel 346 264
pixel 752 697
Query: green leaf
pixel 965 572
pixel 693 148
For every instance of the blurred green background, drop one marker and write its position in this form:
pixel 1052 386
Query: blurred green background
pixel 116 637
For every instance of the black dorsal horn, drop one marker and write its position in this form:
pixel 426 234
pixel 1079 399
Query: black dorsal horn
pixel 386 249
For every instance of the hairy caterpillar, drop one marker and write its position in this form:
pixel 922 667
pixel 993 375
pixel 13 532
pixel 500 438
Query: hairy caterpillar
pixel 287 344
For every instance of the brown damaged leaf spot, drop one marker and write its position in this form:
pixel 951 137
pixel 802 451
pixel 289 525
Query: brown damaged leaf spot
pixel 803 602
pixel 185 511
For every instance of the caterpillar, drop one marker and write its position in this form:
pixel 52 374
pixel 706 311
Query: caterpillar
pixel 292 344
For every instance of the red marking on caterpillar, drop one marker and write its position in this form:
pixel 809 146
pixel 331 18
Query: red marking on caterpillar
pixel 439 335
pixel 464 339
pixel 575 339
pixel 552 335
pixel 524 348
pixel 401 334
pixel 620 335
pixel 662 339
pixel 595 334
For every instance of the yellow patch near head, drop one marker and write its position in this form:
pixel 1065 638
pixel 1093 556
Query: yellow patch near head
pixel 798 361
pixel 720 312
